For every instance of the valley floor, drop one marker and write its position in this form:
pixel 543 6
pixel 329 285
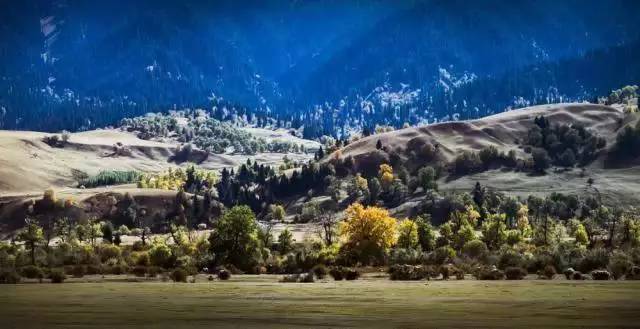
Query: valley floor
pixel 261 301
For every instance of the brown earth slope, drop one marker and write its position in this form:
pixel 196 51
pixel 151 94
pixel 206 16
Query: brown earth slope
pixel 505 131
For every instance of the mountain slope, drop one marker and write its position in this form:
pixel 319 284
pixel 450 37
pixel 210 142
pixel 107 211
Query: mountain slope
pixel 505 132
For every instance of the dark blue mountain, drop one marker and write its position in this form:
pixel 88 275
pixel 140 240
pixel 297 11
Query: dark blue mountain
pixel 84 64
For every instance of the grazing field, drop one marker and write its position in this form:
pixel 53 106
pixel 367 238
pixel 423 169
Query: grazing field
pixel 261 301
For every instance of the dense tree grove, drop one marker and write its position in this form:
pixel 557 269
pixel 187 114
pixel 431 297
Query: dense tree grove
pixel 199 128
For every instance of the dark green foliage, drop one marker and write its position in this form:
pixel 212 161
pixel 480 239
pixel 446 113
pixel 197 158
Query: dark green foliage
pixel 233 239
pixel 475 249
pixel 9 277
pixel 224 275
pixel 336 273
pixel 541 160
pixel 548 272
pixel 442 255
pixel 426 233
pixel 577 275
pixel 320 271
pixel 139 271
pixel 490 273
pixel 78 271
pixel 634 273
pixel 351 274
pixel 594 259
pixel 510 258
pixel 57 275
pixel 565 145
pixel 94 269
pixel 627 142
pixel 515 273
pixel 111 177
pixel 179 275
pixel 619 264
pixel 107 232
pixel 466 163
pixel 32 272
pixel 343 273
pixel 410 272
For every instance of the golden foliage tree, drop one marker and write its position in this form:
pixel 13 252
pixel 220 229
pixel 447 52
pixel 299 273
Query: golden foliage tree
pixel 385 173
pixel 369 231
pixel 408 234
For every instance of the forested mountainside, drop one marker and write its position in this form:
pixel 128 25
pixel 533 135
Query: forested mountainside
pixel 334 67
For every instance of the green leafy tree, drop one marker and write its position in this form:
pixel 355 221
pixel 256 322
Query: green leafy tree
pixel 408 234
pixel 234 236
pixel 426 234
pixel 107 232
pixel 494 231
pixel 427 178
pixel 285 241
pixel 32 235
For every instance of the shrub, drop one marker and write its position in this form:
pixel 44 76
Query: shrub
pixel 143 259
pixel 179 275
pixel 449 270
pixel 224 275
pixel 351 274
pixel 515 273
pixel 442 255
pixel 577 275
pixel 94 269
pixel 139 271
pixel 320 271
pixel 78 271
pixel 619 264
pixel 307 278
pixel 409 272
pixel 510 258
pixel 153 271
pixel 594 259
pixel 118 269
pixel 109 251
pixel 57 276
pixel 601 275
pixel 634 273
pixel 475 249
pixel 336 274
pixel 32 272
pixel 9 277
pixel 548 273
pixel 491 273
pixel 568 273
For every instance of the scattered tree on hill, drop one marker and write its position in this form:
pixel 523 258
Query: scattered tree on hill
pixel 541 160
pixel 427 177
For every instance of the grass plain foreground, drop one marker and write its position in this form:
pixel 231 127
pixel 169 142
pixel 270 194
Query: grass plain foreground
pixel 262 301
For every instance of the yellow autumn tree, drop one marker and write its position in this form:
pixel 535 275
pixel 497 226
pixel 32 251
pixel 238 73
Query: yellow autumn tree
pixel 408 234
pixel 368 232
pixel 385 173
pixel 522 221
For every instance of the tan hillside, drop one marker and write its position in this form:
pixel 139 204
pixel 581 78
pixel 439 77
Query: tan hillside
pixel 28 165
pixel 505 131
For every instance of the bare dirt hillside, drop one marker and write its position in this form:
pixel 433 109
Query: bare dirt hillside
pixel 505 131
pixel 28 165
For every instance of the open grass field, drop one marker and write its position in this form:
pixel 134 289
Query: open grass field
pixel 261 301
